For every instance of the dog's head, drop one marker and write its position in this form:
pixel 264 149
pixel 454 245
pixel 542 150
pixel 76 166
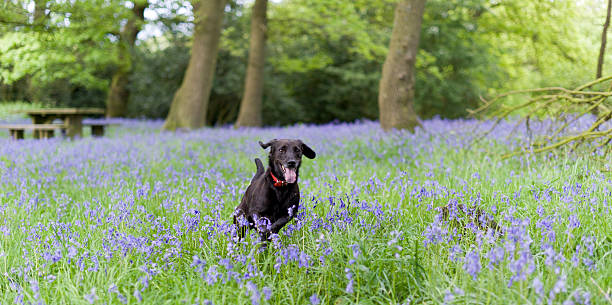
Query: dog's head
pixel 286 157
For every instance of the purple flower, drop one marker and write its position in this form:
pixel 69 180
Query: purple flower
pixel 395 236
pixel 72 252
pixel 91 297
pixel 253 293
pixel 314 299
pixel 434 233
pixel 349 276
pixel 198 263
pixel 35 289
pixel 267 291
pixel 144 280
pixel 455 252
pixel 113 289
pixel 304 260
pixel 356 250
pixel 137 295
pixel 122 298
pixel 582 297
pixel 573 222
pixel 212 276
pixel 472 264
pixel 496 255
pixel 291 253
pixel 589 243
pixel 538 287
pixel 589 263
pixel 576 257
pixel 560 286
pixel 521 267
pixel 551 255
pixel 278 264
pixel 448 297
pixel 276 241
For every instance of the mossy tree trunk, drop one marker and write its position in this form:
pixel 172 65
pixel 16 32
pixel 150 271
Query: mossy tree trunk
pixel 190 102
pixel 118 93
pixel 396 88
pixel 250 106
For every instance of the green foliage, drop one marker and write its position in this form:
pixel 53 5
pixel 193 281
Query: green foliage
pixel 66 57
pixel 455 63
pixel 545 43
pixel 333 55
pixel 14 110
pixel 323 57
pixel 330 55
pixel 158 73
pixel 71 44
pixel 345 90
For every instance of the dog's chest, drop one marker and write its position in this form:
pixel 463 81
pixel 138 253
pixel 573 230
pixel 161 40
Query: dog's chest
pixel 280 203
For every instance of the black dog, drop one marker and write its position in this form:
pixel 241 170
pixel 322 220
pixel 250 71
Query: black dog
pixel 272 198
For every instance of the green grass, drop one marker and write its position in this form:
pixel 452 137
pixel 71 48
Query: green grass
pixel 96 194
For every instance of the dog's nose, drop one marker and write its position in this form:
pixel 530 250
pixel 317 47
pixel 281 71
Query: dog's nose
pixel 291 164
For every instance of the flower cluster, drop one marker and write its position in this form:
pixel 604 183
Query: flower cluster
pixel 119 218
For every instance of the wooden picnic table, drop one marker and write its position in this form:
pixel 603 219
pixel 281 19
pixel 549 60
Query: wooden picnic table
pixel 72 118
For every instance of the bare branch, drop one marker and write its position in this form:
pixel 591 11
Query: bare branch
pixel 564 106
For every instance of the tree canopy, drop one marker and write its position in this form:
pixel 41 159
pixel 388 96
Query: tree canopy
pixel 323 58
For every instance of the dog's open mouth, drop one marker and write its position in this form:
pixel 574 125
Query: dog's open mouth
pixel 290 174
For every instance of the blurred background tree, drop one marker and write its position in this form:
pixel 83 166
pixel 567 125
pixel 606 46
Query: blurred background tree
pixel 250 106
pixel 396 89
pixel 323 57
pixel 119 93
pixel 190 103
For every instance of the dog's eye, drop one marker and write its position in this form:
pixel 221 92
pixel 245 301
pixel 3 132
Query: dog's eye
pixel 281 150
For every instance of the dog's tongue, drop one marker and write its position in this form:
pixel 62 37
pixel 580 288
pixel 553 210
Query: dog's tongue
pixel 290 175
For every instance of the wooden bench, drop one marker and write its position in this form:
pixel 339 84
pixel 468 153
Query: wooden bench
pixel 97 128
pixel 72 118
pixel 42 131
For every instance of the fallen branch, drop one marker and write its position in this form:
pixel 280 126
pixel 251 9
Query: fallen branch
pixel 557 104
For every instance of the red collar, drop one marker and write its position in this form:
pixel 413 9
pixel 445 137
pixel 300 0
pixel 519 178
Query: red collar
pixel 278 183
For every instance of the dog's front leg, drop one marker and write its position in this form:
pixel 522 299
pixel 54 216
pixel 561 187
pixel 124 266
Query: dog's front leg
pixel 282 221
pixel 278 224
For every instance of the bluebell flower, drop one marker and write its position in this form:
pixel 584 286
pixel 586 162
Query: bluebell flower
pixel 314 299
pixel 472 264
pixel 91 297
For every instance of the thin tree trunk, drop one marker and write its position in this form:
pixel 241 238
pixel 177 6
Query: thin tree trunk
pixel 118 93
pixel 396 88
pixel 188 108
pixel 250 106
pixel 604 35
pixel 33 92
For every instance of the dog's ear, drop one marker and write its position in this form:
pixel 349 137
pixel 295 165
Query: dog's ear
pixel 308 152
pixel 266 145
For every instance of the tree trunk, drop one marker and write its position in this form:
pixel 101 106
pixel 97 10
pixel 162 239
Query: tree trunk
pixel 604 35
pixel 190 102
pixel 250 106
pixel 40 6
pixel 396 88
pixel 39 18
pixel 118 93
